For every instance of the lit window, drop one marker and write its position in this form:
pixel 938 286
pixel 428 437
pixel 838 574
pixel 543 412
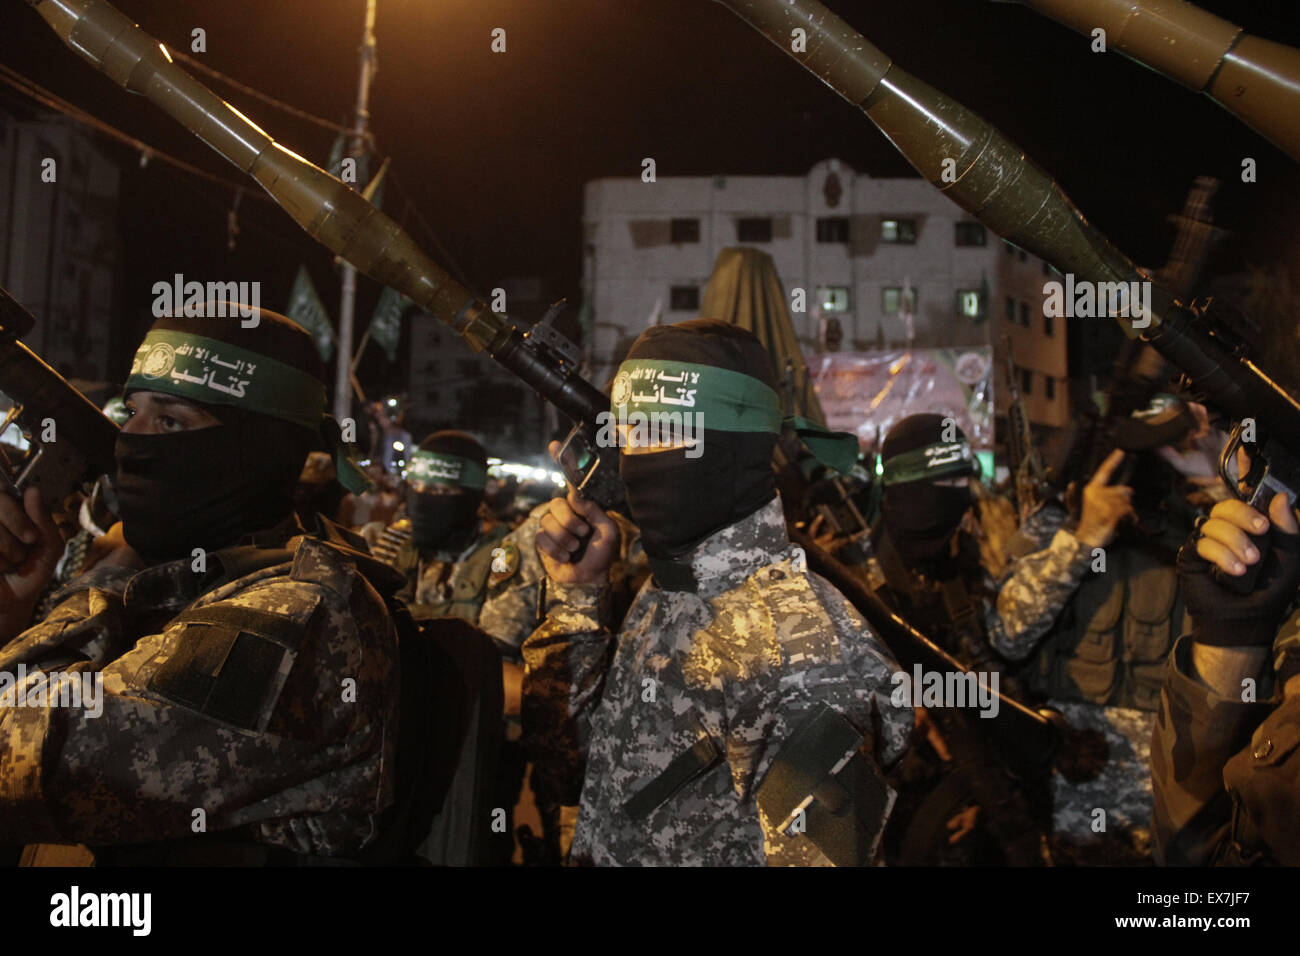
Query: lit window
pixel 891 300
pixel 898 230
pixel 968 303
pixel 833 298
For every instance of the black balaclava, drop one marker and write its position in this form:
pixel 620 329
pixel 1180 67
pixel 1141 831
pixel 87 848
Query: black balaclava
pixel 446 523
pixel 209 487
pixel 679 501
pixel 920 516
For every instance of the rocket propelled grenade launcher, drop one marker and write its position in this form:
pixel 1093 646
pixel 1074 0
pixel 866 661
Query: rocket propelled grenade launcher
pixel 970 161
pixel 1256 80
pixel 337 216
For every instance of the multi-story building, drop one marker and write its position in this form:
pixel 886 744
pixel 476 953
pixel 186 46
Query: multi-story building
pixel 59 244
pixel 451 386
pixel 891 261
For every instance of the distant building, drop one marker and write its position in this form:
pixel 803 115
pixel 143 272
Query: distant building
pixel 451 386
pixel 59 240
pixel 850 242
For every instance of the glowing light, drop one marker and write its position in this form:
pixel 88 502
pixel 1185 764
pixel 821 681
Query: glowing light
pixel 165 53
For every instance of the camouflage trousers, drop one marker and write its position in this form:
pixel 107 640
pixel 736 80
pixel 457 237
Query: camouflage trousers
pixel 1106 820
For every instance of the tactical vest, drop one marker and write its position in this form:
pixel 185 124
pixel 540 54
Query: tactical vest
pixel 466 585
pixel 1110 643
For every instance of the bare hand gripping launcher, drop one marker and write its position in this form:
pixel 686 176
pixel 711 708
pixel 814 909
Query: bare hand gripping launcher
pixel 80 437
pixel 342 220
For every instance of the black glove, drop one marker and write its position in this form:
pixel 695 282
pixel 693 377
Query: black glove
pixel 1226 619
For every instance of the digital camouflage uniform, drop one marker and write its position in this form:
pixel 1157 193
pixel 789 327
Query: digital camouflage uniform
pixel 442 584
pixel 1226 771
pixel 510 611
pixel 1096 655
pixel 732 666
pixel 225 691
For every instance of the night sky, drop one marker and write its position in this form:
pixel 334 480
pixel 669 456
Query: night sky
pixel 493 149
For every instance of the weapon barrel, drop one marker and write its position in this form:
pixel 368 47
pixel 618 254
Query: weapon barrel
pixel 330 211
pixel 1023 735
pixel 1256 80
pixel 969 160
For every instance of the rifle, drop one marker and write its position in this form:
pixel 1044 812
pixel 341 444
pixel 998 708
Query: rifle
pixel 993 179
pixel 348 224
pixel 80 442
pixel 1026 466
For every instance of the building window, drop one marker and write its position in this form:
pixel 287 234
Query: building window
pixel 685 230
pixel 891 300
pixel 971 234
pixel 1049 385
pixel 1026 381
pixel 754 230
pixel 1011 309
pixel 833 298
pixel 1049 326
pixel 969 304
pixel 833 229
pixel 898 230
pixel 1024 314
pixel 684 298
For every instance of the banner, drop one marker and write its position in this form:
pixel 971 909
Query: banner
pixel 861 392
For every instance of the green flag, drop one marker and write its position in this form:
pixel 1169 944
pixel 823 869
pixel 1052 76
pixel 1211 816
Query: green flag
pixel 386 323
pixel 306 308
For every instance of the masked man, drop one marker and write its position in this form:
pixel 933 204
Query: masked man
pixel 440 546
pixel 224 688
pixel 743 712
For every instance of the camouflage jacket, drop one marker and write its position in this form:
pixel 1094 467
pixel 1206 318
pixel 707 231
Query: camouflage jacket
pixel 1226 770
pixel 441 584
pixel 740 659
pixel 255 697
pixel 510 611
pixel 1019 605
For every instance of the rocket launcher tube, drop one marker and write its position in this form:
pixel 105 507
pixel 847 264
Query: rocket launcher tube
pixel 331 212
pixel 1255 79
pixel 995 182
pixel 328 209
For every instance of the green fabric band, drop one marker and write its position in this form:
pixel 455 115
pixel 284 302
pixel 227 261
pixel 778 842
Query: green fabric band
pixel 440 468
pixel 940 460
pixel 213 372
pixel 722 400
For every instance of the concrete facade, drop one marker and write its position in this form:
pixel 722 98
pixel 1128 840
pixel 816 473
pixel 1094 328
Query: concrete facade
pixel 848 241
pixel 59 246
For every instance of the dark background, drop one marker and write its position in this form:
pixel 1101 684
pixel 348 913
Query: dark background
pixel 493 149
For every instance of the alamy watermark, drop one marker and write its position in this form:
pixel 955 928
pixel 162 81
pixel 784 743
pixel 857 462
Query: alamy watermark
pixel 70 689
pixel 934 689
pixel 647 429
pixel 193 299
pixel 1087 300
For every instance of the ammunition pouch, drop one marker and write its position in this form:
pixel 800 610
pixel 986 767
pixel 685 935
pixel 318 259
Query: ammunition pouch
pixel 824 784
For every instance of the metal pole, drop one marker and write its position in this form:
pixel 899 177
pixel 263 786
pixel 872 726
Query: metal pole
pixel 356 146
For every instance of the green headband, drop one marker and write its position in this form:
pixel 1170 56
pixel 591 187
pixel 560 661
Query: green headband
pixel 723 400
pixel 940 460
pixel 213 372
pixel 441 468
